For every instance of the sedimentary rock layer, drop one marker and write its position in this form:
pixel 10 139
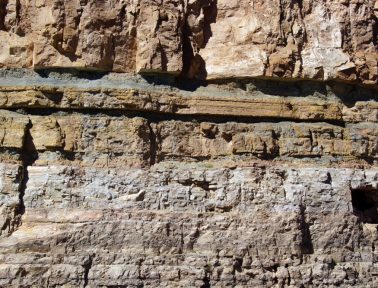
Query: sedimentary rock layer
pixel 114 180
pixel 300 39
pixel 130 141
pixel 256 98
pixel 199 143
pixel 188 226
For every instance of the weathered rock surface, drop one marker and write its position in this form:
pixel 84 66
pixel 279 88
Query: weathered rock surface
pixel 243 154
pixel 181 227
pixel 154 196
pixel 300 39
pixel 110 141
pixel 310 39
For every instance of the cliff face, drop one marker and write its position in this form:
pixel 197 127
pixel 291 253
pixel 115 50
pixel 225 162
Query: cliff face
pixel 188 143
pixel 298 39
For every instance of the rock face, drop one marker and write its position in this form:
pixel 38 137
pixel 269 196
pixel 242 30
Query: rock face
pixel 243 154
pixel 292 39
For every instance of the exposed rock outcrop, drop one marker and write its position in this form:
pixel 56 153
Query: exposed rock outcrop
pixel 208 38
pixel 237 148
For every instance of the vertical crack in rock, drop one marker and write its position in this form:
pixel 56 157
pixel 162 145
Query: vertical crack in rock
pixel 206 282
pixel 195 37
pixel 210 13
pixel 153 143
pixel 87 267
pixel 282 37
pixel 375 31
pixel 28 156
pixel 187 49
pixel 301 39
pixel 18 12
pixel 3 13
pixel 306 241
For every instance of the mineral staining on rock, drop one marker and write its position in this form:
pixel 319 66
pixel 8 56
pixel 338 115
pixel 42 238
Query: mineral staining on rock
pixel 244 154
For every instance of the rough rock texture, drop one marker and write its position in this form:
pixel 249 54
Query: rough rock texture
pixel 182 227
pixel 281 38
pixel 116 181
pixel 244 153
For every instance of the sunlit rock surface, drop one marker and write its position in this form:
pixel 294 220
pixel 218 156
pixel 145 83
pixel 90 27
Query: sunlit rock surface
pixel 188 143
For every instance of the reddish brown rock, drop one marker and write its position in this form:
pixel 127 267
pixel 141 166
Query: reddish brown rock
pixel 202 39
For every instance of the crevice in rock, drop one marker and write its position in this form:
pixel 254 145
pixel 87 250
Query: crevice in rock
pixel 375 31
pixel 195 183
pixel 87 267
pixel 164 58
pixel 122 16
pixel 306 244
pixel 182 242
pixel 55 97
pixel 237 265
pixel 206 282
pixel 194 66
pixel 187 49
pixel 18 13
pixel 282 38
pixel 3 13
pixel 301 39
pixel 156 117
pixel 65 74
pixel 29 155
pixel 210 13
pixel 365 204
pixel 153 144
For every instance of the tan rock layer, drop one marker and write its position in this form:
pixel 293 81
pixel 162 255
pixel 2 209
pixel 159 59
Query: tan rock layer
pixel 116 141
pixel 306 39
pixel 265 140
pixel 134 99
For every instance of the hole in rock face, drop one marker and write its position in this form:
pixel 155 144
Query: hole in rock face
pixel 365 204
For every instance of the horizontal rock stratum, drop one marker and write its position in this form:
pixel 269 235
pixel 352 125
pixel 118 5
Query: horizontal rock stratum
pixel 199 38
pixel 195 143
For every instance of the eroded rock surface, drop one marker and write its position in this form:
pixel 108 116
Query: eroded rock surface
pixel 291 39
pixel 119 182
pixel 243 154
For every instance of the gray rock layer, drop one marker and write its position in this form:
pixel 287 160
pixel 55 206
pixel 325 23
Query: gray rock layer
pixel 190 227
